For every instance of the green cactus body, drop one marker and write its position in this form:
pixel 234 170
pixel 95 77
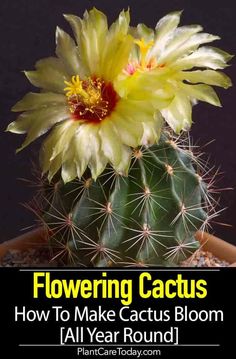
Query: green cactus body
pixel 147 218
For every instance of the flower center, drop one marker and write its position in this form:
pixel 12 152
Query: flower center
pixel 91 99
pixel 143 64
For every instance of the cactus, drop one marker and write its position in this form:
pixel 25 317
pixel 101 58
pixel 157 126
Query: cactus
pixel 147 218
pixel 119 188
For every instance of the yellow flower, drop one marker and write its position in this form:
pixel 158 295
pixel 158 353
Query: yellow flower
pixel 164 58
pixel 95 117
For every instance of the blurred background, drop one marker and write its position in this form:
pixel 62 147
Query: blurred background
pixel 27 33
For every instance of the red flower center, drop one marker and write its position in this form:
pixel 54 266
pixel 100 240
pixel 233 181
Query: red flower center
pixel 92 100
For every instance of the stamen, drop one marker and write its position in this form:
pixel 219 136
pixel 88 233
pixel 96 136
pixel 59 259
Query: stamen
pixel 74 87
pixel 144 48
pixel 90 99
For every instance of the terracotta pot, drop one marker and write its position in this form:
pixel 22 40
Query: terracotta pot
pixel 218 247
pixel 32 239
pixel 210 243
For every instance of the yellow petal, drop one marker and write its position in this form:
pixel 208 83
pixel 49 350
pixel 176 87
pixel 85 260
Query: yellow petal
pixel 50 75
pixel 179 113
pixel 152 130
pixel 203 93
pixel 205 56
pixel 146 87
pixel 172 53
pixel 83 148
pixel 164 29
pixel 98 160
pixel 130 131
pixel 209 77
pixel 68 169
pixel 88 151
pixel 167 25
pixel 38 122
pixel 68 52
pixel 47 147
pixel 123 167
pixel 118 46
pixel 144 32
pixel 33 101
pixel 185 39
pixel 57 146
pixel 97 44
pixel 62 145
pixel 90 33
pixel 138 111
pixel 110 142
pixel 54 167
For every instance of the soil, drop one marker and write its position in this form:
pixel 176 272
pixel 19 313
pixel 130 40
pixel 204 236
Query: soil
pixel 202 259
pixel 40 257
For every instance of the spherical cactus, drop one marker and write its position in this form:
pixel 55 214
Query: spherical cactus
pixel 147 218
